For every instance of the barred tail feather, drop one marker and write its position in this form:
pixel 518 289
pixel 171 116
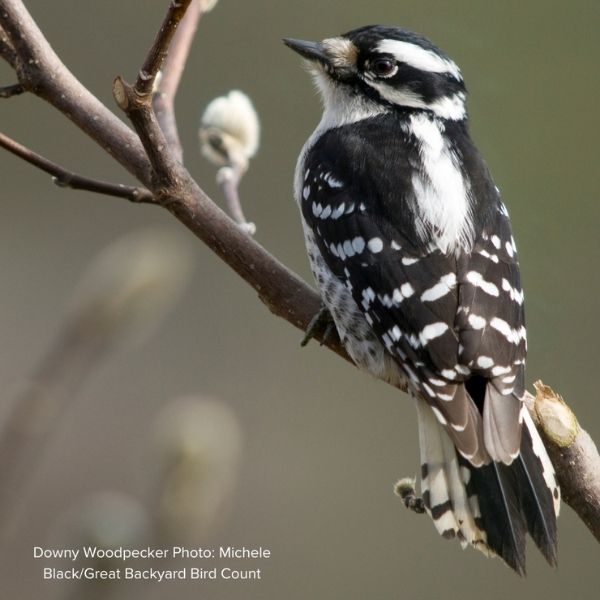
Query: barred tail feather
pixel 494 506
pixel 495 486
pixel 443 483
pixel 542 504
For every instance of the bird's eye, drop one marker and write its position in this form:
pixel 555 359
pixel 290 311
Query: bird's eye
pixel 384 67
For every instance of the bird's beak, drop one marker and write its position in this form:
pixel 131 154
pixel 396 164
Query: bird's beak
pixel 312 51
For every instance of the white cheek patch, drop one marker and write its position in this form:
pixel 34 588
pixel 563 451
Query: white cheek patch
pixel 419 58
pixel 341 52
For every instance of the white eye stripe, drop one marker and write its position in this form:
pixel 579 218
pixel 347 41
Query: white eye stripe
pixel 419 58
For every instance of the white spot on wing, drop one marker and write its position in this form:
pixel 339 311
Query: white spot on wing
pixel 477 322
pixel 348 248
pixel 407 290
pixel 375 245
pixel 409 261
pixel 476 279
pixel 432 331
pixel 339 211
pixel 493 257
pixel 500 370
pixel 485 362
pixel 515 295
pixel 332 182
pixel 512 335
pixel 358 243
pixel 448 373
pixel 440 289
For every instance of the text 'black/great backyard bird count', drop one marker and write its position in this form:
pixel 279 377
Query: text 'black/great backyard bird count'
pixel 412 250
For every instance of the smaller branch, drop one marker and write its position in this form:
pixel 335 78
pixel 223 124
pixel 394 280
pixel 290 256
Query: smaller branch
pixel 228 179
pixel 165 165
pixel 158 51
pixel 229 136
pixel 174 64
pixel 64 178
pixel 11 90
pixel 41 71
pixel 572 452
pixel 136 102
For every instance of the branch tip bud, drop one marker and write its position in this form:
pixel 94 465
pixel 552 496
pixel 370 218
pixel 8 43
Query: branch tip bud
pixel 230 130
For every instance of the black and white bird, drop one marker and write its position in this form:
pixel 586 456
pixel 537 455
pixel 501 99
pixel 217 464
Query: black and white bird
pixel 411 248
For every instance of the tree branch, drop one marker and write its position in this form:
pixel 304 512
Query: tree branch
pixel 173 66
pixel 158 51
pixel 284 293
pixel 281 290
pixel 40 71
pixel 64 178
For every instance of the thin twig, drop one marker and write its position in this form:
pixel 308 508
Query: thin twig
pixel 41 71
pixel 64 178
pixel 173 66
pixel 9 91
pixel 228 179
pixel 158 51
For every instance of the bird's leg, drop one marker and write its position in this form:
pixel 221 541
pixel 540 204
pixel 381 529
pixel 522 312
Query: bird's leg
pixel 321 325
pixel 405 488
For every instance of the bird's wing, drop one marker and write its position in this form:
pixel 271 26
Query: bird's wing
pixel 421 302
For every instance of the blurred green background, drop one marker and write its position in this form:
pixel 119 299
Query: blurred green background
pixel 321 444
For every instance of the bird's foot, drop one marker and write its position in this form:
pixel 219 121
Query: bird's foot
pixel 321 325
pixel 405 489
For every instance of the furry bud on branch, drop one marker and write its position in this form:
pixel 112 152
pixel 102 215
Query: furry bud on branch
pixel 229 131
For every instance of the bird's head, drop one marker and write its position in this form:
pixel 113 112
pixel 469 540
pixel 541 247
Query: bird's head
pixel 385 67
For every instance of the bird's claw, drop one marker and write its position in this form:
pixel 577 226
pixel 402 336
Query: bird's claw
pixel 321 325
pixel 405 489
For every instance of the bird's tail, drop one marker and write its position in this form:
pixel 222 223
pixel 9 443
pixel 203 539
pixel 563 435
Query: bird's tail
pixel 494 506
